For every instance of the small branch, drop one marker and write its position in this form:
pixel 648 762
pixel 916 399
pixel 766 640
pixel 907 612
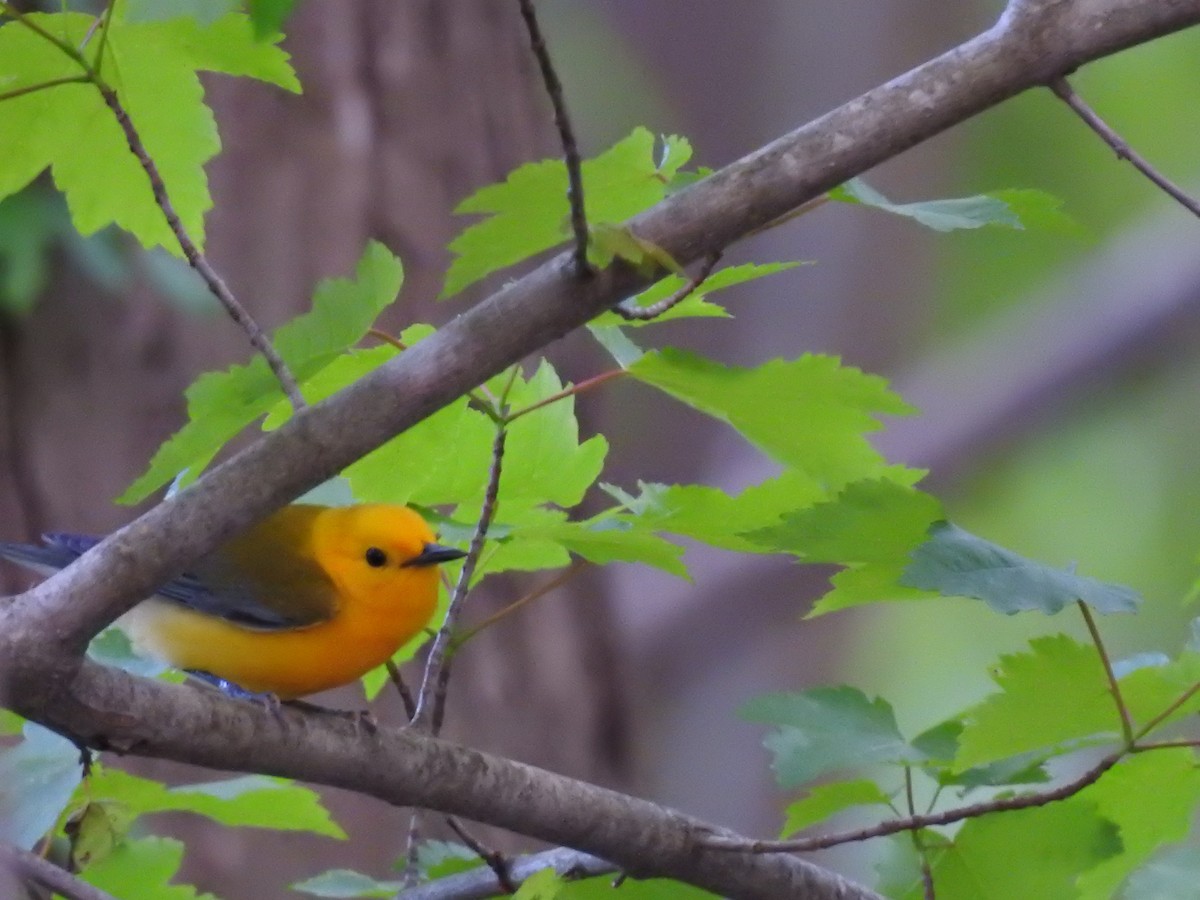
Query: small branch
pixel 1166 713
pixel 631 312
pixel 1063 90
pixel 1113 686
pixel 918 844
pixel 196 259
pixel 566 135
pixel 556 582
pixel 29 867
pixel 431 698
pixel 586 385
pixel 493 859
pixel 479 884
pixel 406 697
pixel 910 823
pixel 34 88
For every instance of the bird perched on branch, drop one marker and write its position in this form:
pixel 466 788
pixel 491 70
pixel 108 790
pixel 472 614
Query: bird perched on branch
pixel 311 598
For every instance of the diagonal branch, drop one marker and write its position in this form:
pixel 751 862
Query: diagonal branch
pixel 31 868
pixel 1067 94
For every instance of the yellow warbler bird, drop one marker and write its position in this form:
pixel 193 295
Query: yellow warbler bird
pixel 311 598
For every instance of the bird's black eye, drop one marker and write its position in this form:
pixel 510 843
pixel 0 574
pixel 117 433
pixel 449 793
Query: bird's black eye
pixel 376 558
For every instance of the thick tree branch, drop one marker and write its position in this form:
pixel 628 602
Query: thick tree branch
pixel 43 632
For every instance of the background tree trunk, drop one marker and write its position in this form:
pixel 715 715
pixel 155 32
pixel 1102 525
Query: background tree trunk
pixel 407 108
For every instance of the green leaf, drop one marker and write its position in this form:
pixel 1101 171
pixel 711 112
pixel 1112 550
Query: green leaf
pixel 544 460
pixel 811 413
pixel 1151 798
pixel 1015 209
pixel 528 212
pixel 1172 875
pixel 346 883
pixel 827 729
pixel 601 888
pixel 268 16
pixel 140 870
pixel 875 520
pixel 696 303
pixel 1056 695
pixel 221 404
pixel 543 885
pixel 829 799
pixel 870 527
pixel 610 539
pixel 940 745
pixel 955 562
pixel 623 351
pixel 37 778
pixel 113 648
pixel 153 67
pixel 255 801
pixel 10 722
pixel 29 222
pixel 710 515
pixel 1057 842
pixel 437 859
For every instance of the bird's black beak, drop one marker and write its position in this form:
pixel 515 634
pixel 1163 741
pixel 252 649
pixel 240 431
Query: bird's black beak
pixel 433 554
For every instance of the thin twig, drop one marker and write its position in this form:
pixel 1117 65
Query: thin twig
pixel 105 20
pixel 918 843
pixel 1166 713
pixel 29 867
pixel 1063 90
pixel 34 88
pixel 480 883
pixel 566 135
pixel 411 848
pixel 406 697
pixel 427 707
pixel 557 581
pixel 493 859
pixel 895 826
pixel 586 385
pixel 195 258
pixel 631 312
pixel 1113 686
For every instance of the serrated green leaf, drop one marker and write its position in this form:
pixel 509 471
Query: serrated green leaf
pixel 1057 843
pixel 438 859
pixel 221 404
pixel 696 304
pixel 528 212
pixel 611 539
pixel 955 562
pixel 255 801
pixel 827 729
pixel 811 413
pixel 609 242
pixel 346 883
pixel 96 831
pixel 828 800
pixel 1055 695
pixel 544 460
pixel 1151 798
pixel 543 885
pixel 710 515
pixel 112 647
pixel 1038 211
pixel 29 222
pixel 37 778
pixel 268 16
pixel 140 870
pixel 153 69
pixel 871 521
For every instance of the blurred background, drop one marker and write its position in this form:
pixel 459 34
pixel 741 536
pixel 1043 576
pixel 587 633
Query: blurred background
pixel 1056 372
